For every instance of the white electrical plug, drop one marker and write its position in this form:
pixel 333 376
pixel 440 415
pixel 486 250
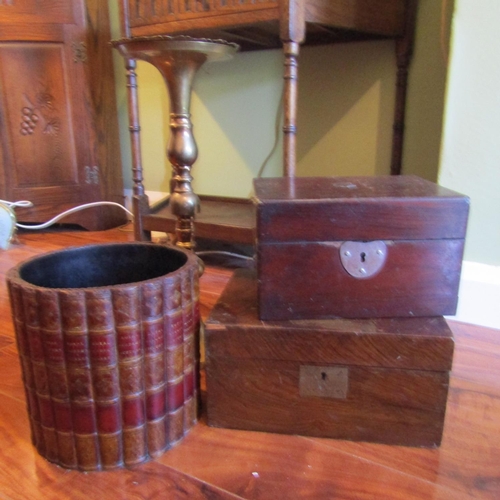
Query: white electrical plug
pixel 7 225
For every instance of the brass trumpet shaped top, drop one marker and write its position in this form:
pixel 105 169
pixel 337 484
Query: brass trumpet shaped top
pixel 147 47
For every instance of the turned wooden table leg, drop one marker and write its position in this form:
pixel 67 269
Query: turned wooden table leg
pixel 292 33
pixel 140 202
pixel 404 52
pixel 291 53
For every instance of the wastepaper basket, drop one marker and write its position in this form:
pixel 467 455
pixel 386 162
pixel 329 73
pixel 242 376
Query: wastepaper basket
pixel 108 342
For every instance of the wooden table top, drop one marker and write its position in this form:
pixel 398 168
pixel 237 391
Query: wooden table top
pixel 213 463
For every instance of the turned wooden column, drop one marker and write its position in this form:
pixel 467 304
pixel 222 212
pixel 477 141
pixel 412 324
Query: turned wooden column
pixel 292 33
pixel 140 202
pixel 404 52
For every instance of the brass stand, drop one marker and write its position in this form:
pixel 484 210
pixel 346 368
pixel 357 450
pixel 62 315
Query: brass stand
pixel 178 59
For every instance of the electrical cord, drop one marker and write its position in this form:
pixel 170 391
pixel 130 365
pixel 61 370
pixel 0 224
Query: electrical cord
pixel 277 133
pixel 22 203
pixel 223 252
pixel 25 203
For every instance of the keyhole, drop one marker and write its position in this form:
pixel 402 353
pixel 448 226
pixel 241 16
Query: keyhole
pixel 363 256
pixel 323 376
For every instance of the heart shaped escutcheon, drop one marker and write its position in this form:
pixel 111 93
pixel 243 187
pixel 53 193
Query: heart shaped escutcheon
pixel 363 259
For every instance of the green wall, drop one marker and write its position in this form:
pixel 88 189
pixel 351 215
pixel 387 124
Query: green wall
pixel 233 109
pixel 427 88
pixel 470 160
pixel 346 108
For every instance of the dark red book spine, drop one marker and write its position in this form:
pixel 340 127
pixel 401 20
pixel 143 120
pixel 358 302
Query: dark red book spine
pixel 58 406
pixel 153 329
pixel 105 375
pixel 24 318
pixel 174 337
pixel 79 374
pixel 130 351
pixel 191 347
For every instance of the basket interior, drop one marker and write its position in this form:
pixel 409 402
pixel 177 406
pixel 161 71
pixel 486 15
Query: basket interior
pixel 102 265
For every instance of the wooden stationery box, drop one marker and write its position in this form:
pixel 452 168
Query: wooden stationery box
pixel 358 247
pixel 379 380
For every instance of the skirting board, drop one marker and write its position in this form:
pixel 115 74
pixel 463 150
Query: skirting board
pixel 479 295
pixel 154 197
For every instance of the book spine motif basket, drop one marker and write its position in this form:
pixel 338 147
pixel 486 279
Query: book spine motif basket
pixel 110 373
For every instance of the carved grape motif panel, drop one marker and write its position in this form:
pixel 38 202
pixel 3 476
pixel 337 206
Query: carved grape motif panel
pixel 29 120
pixel 40 112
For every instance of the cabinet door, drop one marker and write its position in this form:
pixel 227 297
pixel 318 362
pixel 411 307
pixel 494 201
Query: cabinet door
pixel 47 116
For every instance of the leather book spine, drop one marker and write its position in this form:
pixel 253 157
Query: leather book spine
pixel 190 349
pixel 174 339
pixel 25 317
pixel 58 407
pixel 110 373
pixel 198 326
pixel 130 349
pixel 79 373
pixel 153 329
pixel 105 376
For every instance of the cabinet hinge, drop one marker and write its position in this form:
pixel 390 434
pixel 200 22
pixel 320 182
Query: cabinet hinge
pixel 79 52
pixel 92 175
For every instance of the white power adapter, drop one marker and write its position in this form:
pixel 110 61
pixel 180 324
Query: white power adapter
pixel 7 225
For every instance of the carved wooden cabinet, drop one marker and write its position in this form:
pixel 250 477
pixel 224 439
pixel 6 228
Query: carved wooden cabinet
pixel 58 121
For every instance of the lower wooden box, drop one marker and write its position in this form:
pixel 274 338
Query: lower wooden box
pixel 379 380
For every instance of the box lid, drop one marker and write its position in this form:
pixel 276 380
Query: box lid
pixel 234 330
pixel 357 208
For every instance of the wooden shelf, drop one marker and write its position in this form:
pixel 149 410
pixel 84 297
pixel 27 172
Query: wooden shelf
pixel 226 219
pixel 257 26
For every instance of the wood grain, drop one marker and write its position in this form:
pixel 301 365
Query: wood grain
pixel 420 225
pixel 31 11
pixel 59 136
pixel 372 16
pixel 357 208
pixel 395 371
pixel 418 278
pixel 226 219
pixel 214 463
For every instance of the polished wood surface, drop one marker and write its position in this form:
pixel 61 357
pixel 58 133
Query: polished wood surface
pixel 226 219
pixel 58 116
pixel 319 221
pixel 227 464
pixel 377 380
